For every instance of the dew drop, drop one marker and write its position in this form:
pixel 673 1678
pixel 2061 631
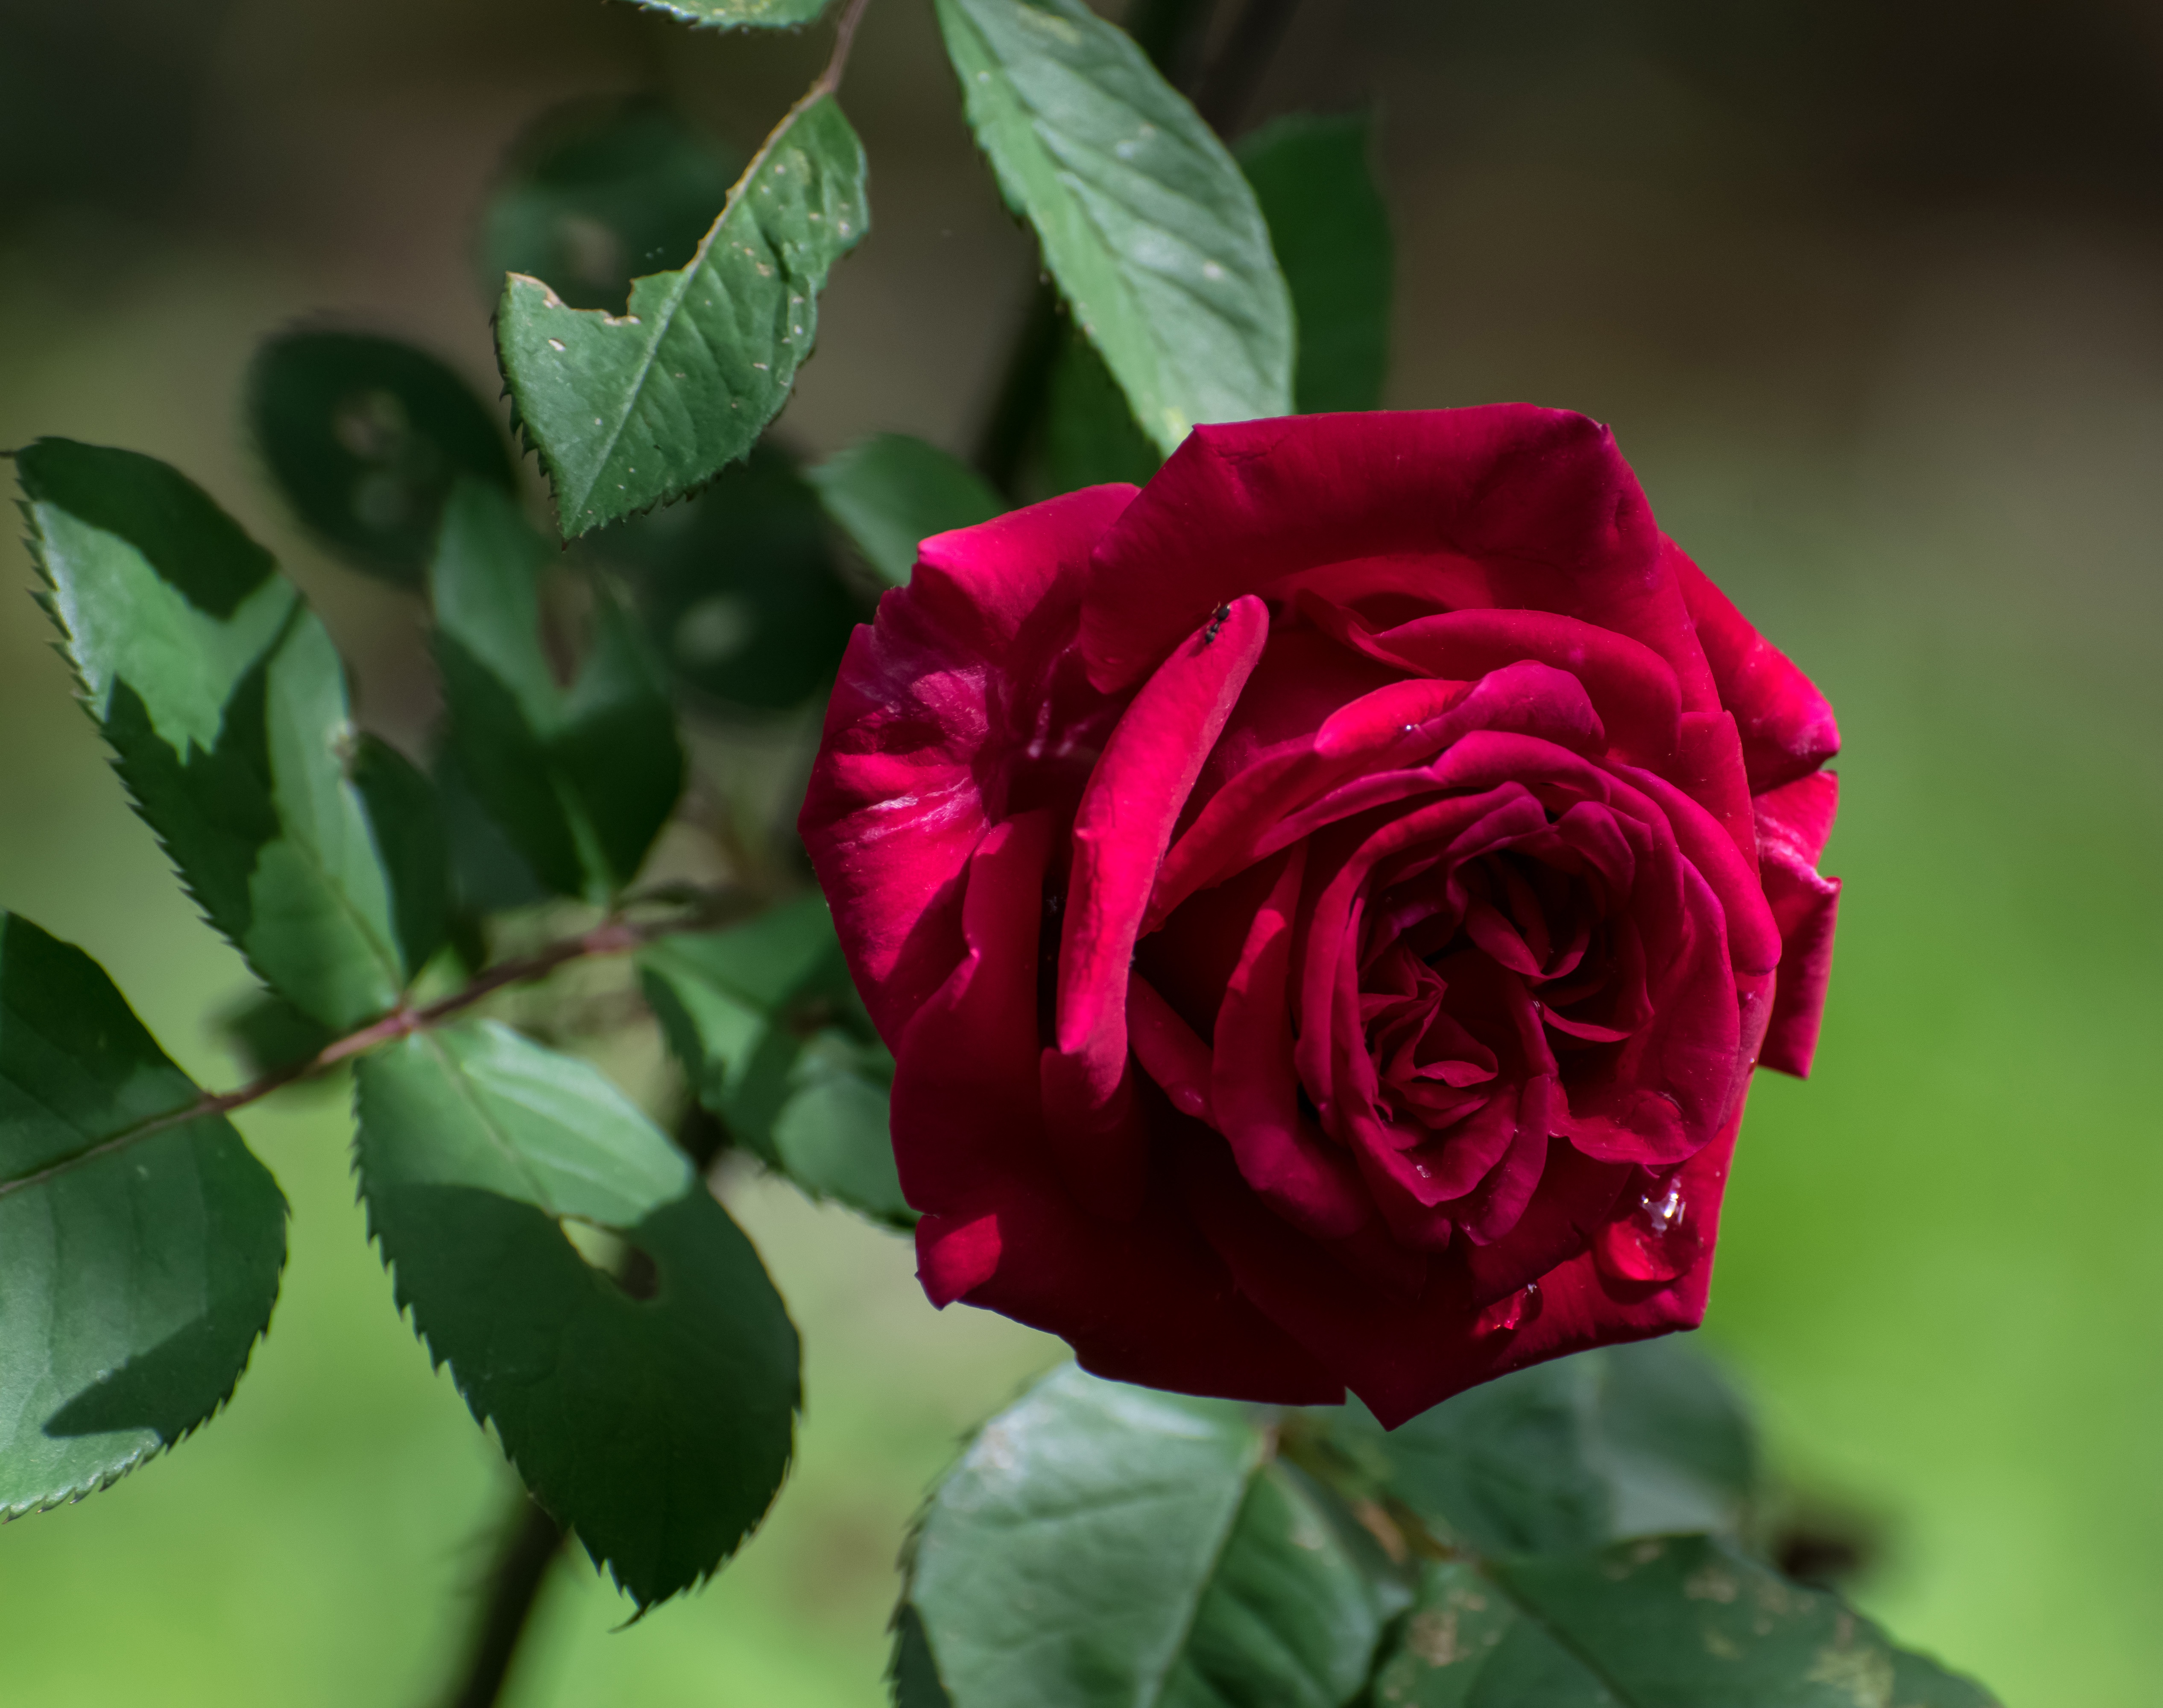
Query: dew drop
pixel 1657 1241
pixel 1509 1313
pixel 1188 1100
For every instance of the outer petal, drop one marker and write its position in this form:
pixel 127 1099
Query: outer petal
pixel 1404 1355
pixel 925 738
pixel 1506 505
pixel 1145 1301
pixel 1792 824
pixel 1787 725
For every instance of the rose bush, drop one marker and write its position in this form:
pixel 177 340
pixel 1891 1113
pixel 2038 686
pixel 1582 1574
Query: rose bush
pixel 1327 906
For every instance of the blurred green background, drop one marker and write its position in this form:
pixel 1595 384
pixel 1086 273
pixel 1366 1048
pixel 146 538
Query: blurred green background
pixel 1872 296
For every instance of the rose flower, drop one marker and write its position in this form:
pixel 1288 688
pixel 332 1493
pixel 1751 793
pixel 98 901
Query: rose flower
pixel 1326 906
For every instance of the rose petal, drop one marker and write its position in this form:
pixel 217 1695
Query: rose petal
pixel 1538 499
pixel 1255 1092
pixel 919 752
pixel 1792 824
pixel 1786 726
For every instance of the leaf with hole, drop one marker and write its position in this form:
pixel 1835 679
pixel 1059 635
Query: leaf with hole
pixel 739 14
pixel 135 1279
pixel 892 492
pixel 1100 1546
pixel 775 1040
pixel 226 705
pixel 738 587
pixel 579 778
pixel 1686 1622
pixel 1154 237
pixel 1617 1442
pixel 600 190
pixel 655 1421
pixel 1330 228
pixel 363 437
pixel 629 410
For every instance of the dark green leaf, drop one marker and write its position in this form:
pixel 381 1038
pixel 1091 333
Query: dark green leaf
pixel 364 436
pixel 1675 1622
pixel 408 822
pixel 739 586
pixel 1331 230
pixel 226 705
pixel 1100 1544
pixel 269 1034
pixel 775 1041
pixel 627 411
pixel 1621 1441
pixel 1154 237
pixel 739 14
pixel 1090 437
pixel 892 492
pixel 913 1676
pixel 133 1281
pixel 658 1428
pixel 579 779
pixel 601 191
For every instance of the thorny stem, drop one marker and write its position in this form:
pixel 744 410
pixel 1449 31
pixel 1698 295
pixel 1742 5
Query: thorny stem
pixel 616 936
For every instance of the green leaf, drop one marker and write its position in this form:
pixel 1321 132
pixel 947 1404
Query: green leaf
pixel 892 492
pixel 777 1043
pixel 1621 1441
pixel 133 1279
pixel 364 436
pixel 600 190
pixel 1330 228
pixel 1090 437
pixel 739 14
pixel 739 586
pixel 226 705
pixel 1685 1621
pixel 1155 238
pixel 580 779
pixel 630 409
pixel 407 819
pixel 1100 1544
pixel 659 1428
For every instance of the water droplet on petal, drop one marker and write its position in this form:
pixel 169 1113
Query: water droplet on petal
pixel 1511 1312
pixel 1188 1100
pixel 1655 1240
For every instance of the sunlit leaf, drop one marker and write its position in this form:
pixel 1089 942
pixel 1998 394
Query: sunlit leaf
pixel 579 778
pixel 629 410
pixel 226 705
pixel 890 492
pixel 1618 1442
pixel 657 1428
pixel 1686 1622
pixel 777 1043
pixel 1101 1546
pixel 739 14
pixel 133 1280
pixel 1152 233
pixel 364 436
pixel 1330 232
pixel 602 190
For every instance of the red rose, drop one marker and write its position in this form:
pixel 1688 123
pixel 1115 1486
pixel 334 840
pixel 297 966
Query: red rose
pixel 1327 905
